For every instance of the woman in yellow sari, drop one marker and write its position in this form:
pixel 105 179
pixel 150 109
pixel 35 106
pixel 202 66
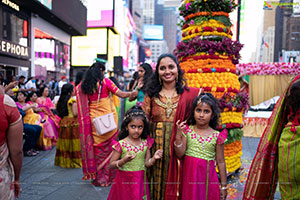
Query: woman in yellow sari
pixel 31 117
pixel 96 150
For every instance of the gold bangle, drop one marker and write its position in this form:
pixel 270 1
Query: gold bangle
pixel 150 160
pixel 117 164
pixel 223 188
pixel 178 145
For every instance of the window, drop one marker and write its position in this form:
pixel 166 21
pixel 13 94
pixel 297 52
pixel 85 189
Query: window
pixel 15 28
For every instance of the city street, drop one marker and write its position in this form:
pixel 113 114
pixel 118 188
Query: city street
pixel 40 179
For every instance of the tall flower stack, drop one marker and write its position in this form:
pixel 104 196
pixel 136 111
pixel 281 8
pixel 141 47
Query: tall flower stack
pixel 208 57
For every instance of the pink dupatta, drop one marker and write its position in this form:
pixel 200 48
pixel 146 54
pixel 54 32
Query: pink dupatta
pixel 86 139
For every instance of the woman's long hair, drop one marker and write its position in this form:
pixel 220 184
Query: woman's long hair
pixel 133 80
pixel 24 93
pixel 154 86
pixel 293 101
pixel 147 76
pixel 133 113
pixel 210 100
pixel 92 77
pixel 30 94
pixel 79 77
pixel 62 104
pixel 41 91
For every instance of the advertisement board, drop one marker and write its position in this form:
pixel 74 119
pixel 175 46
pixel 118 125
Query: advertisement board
pixel 47 3
pixel 113 47
pixel 100 14
pixel 85 49
pixel 153 32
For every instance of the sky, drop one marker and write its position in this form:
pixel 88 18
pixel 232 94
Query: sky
pixel 251 29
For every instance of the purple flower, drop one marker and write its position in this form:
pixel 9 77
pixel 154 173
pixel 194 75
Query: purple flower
pixel 187 6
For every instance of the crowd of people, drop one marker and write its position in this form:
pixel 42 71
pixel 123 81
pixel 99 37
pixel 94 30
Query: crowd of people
pixel 168 136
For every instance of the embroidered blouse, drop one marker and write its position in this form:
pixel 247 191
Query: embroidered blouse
pixel 156 108
pixel 203 147
pixel 138 163
pixel 107 86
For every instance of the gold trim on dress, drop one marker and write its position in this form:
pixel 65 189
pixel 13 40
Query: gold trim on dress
pixel 169 106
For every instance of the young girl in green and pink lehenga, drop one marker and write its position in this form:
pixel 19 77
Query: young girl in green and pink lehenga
pixel 202 146
pixel 131 156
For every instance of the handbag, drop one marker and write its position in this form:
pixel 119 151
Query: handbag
pixel 104 123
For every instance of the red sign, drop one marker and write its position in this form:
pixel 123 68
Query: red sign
pixel 148 52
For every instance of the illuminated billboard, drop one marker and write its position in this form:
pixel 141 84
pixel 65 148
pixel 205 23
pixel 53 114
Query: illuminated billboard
pixel 153 32
pixel 100 14
pixel 86 48
pixel 113 47
pixel 47 3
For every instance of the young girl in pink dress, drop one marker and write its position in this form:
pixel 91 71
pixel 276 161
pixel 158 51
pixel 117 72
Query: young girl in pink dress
pixel 202 146
pixel 131 156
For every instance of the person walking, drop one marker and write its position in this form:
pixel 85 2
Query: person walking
pixel 93 100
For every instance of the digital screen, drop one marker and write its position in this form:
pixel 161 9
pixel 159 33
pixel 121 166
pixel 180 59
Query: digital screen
pixel 100 14
pixel 153 32
pixel 85 48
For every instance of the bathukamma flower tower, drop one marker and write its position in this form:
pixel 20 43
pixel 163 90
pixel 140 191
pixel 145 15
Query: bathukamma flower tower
pixel 208 57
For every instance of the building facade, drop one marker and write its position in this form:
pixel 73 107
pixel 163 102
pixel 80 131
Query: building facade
pixel 35 36
pixel 157 47
pixel 149 11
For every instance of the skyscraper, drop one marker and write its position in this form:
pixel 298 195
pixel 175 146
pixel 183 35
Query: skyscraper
pixel 149 11
pixel 136 9
pixel 171 16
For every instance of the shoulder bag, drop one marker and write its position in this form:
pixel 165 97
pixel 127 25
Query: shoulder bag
pixel 104 123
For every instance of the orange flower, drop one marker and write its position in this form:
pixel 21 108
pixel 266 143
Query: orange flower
pixel 206 14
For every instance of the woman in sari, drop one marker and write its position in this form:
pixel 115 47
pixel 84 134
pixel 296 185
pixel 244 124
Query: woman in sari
pixel 31 117
pixel 168 100
pixel 11 140
pixel 68 143
pixel 96 150
pixel 277 157
pixel 48 135
pixel 46 105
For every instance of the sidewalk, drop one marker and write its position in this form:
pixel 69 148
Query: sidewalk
pixel 42 180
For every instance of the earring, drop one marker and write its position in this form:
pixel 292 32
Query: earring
pixel 160 81
pixel 176 79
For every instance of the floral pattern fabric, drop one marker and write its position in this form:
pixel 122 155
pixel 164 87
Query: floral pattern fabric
pixel 138 163
pixel 203 147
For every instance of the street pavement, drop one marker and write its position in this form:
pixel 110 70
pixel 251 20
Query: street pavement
pixel 42 180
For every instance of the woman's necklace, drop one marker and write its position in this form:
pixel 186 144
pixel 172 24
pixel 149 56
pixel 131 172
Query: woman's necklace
pixel 130 142
pixel 169 106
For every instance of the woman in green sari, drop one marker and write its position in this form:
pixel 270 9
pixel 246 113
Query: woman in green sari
pixel 278 153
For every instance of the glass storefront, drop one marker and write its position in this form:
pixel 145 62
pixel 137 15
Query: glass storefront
pixel 15 42
pixel 15 27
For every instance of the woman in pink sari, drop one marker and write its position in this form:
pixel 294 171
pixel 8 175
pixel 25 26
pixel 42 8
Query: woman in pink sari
pixel 46 105
pixel 96 150
pixel 48 135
